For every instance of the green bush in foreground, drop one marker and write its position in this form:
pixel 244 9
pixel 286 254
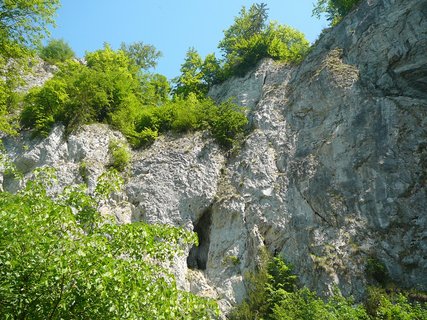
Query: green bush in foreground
pixel 60 259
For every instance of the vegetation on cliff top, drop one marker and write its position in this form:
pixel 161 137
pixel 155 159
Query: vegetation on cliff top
pixel 335 10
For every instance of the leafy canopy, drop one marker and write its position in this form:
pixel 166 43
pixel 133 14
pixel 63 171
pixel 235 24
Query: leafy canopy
pixel 60 259
pixel 145 56
pixel 81 94
pixel 197 75
pixel 23 23
pixel 335 10
pixel 56 51
pixel 110 88
pixel 251 38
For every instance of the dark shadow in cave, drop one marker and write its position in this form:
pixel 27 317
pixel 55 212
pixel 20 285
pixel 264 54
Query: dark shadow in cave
pixel 198 256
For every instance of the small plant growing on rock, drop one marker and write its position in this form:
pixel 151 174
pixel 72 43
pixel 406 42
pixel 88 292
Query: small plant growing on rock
pixel 83 171
pixel 120 155
pixel 232 260
pixel 376 270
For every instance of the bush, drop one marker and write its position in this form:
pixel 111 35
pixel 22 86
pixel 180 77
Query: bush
pixel 226 121
pixel 286 43
pixel 273 294
pixel 377 271
pixel 60 259
pixel 56 51
pixel 44 106
pixel 120 155
pixel 248 40
pixel 110 89
pixel 393 305
pixel 80 94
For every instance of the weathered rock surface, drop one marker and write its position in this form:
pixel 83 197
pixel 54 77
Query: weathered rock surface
pixel 334 171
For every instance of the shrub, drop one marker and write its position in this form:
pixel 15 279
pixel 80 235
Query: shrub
pixel 57 50
pixel 272 293
pixel 248 40
pixel 83 171
pixel 111 90
pixel 286 43
pixel 226 121
pixel 120 155
pixel 377 271
pixel 61 259
pixel 80 94
pixel 393 305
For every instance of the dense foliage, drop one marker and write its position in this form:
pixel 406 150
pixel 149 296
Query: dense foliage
pixel 226 121
pixel 110 88
pixel 56 50
pixel 23 23
pixel 273 294
pixel 60 259
pixel 144 56
pixel 335 10
pixel 120 155
pixel 251 38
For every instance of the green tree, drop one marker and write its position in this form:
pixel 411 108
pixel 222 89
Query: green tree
pixel 155 89
pixel 248 24
pixel 57 50
pixel 60 259
pixel 335 10
pixel 98 92
pixel 212 71
pixel 23 24
pixel 191 78
pixel 286 43
pixel 251 38
pixel 145 56
pixel 273 294
pixel 244 44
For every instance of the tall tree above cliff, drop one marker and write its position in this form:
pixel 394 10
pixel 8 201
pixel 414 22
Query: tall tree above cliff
pixel 335 10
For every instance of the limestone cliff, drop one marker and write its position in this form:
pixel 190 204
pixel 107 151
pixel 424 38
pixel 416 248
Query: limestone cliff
pixel 333 171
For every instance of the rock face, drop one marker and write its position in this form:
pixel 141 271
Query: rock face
pixel 333 172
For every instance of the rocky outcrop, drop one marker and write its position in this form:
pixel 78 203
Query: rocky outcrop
pixel 333 172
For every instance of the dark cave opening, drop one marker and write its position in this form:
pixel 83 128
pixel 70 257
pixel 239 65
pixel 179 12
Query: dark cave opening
pixel 198 256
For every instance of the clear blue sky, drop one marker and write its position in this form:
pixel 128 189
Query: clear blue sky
pixel 171 26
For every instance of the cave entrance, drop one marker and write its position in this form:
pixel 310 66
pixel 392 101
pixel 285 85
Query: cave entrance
pixel 198 256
